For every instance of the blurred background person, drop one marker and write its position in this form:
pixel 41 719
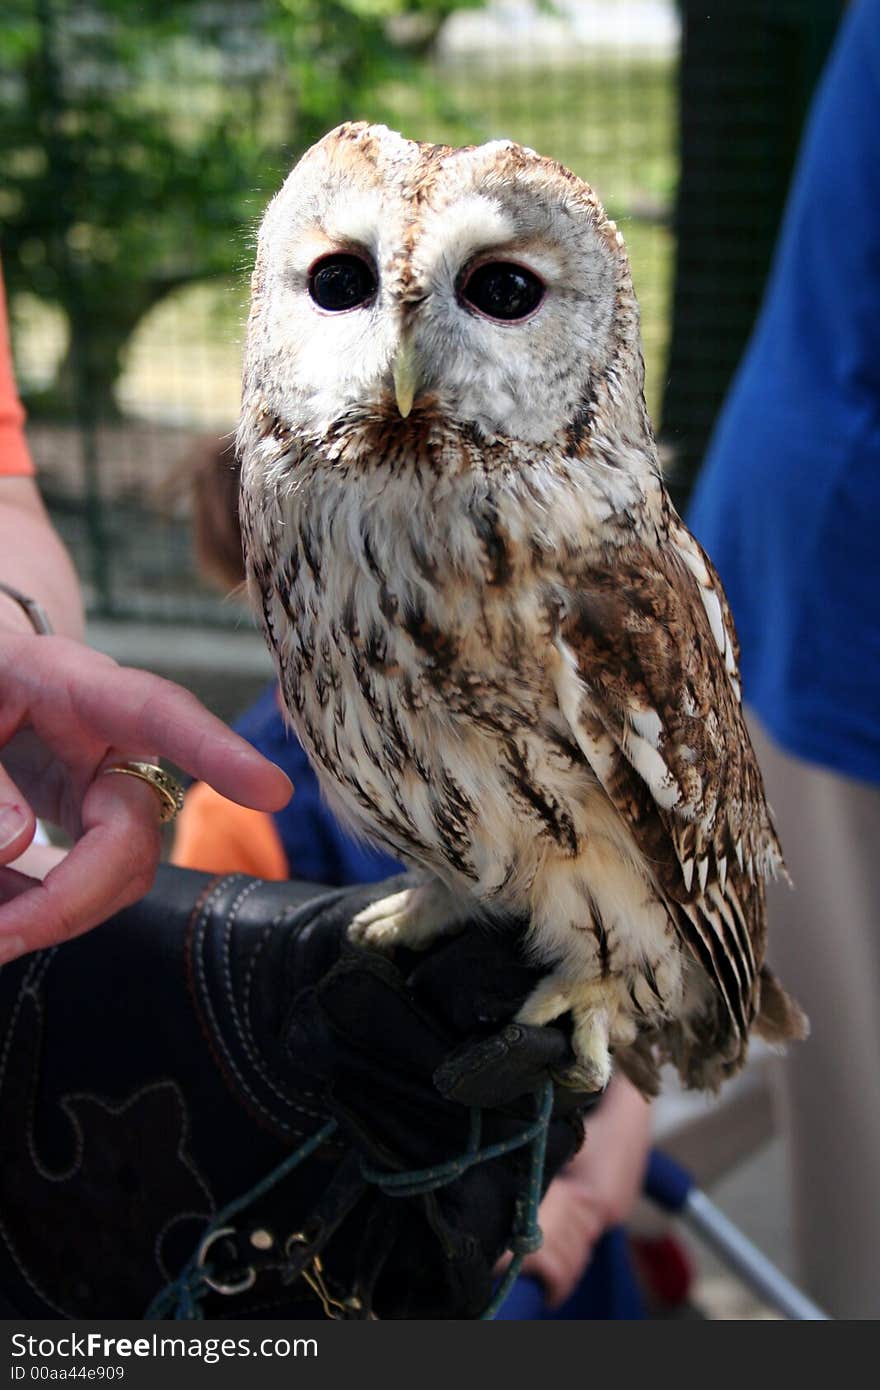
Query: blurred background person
pixel 788 505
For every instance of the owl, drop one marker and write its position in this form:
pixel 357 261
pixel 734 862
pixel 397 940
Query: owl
pixel 509 661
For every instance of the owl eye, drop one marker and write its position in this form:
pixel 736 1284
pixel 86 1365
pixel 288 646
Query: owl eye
pixel 341 281
pixel 502 290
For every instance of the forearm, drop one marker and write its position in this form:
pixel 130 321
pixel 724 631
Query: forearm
pixel 33 559
pixel 612 1161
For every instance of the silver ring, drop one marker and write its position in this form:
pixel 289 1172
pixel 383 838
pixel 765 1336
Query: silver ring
pixel 248 1279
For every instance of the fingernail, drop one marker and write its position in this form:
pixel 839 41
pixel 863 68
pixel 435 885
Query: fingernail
pixel 11 947
pixel 13 821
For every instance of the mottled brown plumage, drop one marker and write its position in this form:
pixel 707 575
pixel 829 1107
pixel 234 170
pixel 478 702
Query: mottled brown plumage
pixel 509 661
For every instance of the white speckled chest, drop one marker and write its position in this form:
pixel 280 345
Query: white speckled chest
pixel 414 639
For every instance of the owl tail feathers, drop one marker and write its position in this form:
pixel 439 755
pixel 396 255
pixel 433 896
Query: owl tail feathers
pixel 780 1019
pixel 701 1061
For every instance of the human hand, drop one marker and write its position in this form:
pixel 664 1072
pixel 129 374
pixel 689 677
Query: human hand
pixel 66 712
pixel 572 1220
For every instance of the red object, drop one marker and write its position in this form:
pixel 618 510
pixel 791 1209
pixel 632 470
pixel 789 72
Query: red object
pixel 666 1269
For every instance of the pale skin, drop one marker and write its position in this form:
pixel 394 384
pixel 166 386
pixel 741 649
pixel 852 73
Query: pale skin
pixel 597 1190
pixel 67 711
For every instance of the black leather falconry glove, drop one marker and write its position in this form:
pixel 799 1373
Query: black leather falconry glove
pixel 160 1067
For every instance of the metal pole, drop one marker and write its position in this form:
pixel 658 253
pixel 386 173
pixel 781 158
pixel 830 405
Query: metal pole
pixel 746 1259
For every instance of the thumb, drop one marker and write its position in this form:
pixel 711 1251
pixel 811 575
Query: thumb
pixel 17 822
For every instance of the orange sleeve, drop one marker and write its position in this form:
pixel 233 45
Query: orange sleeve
pixel 15 460
pixel 224 838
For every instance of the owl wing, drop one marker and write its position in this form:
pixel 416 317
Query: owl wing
pixel 649 684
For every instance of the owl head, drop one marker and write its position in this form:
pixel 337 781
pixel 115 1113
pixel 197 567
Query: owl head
pixel 482 287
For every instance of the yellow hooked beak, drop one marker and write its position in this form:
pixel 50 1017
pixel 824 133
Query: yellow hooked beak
pixel 406 376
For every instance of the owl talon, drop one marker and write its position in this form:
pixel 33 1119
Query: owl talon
pixel 578 1078
pixel 590 1043
pixel 413 918
pixel 383 925
pixel 590 1039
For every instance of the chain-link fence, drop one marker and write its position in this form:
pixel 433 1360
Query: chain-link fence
pixel 138 145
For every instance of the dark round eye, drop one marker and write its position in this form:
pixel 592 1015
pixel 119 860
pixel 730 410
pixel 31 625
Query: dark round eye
pixel 502 290
pixel 341 281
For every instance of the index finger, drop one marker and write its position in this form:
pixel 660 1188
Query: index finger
pixel 136 710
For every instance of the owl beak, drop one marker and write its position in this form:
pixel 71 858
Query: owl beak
pixel 405 372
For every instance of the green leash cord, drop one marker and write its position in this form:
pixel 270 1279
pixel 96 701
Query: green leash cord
pixel 182 1298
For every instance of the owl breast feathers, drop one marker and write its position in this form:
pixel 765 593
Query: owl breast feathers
pixel 509 661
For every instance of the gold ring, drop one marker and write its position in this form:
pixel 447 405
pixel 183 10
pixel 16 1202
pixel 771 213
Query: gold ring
pixel 166 787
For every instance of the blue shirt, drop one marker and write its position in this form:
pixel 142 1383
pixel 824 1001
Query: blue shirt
pixel 788 503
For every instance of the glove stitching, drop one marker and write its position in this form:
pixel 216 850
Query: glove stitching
pixel 29 984
pixel 64 1104
pixel 210 906
pixel 25 1274
pixel 172 1221
pixel 247 1040
pixel 248 1044
pixel 31 979
pixel 79 1142
pixel 200 928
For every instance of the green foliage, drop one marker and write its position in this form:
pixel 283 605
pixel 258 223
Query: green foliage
pixel 138 143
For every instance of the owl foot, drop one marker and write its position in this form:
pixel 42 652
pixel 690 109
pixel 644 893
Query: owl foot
pixel 594 1009
pixel 413 918
pixel 589 1040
